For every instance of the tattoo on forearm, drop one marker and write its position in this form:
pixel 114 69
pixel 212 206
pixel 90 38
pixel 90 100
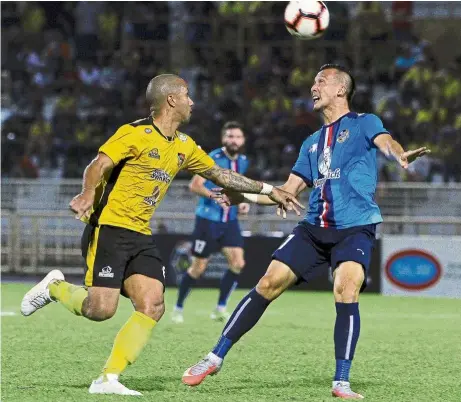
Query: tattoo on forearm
pixel 231 180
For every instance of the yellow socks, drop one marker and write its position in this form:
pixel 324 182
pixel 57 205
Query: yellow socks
pixel 129 343
pixel 70 296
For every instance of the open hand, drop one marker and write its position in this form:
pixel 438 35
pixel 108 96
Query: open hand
pixel 286 202
pixel 226 198
pixel 409 156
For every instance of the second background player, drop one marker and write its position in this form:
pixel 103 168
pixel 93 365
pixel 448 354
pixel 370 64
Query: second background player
pixel 216 228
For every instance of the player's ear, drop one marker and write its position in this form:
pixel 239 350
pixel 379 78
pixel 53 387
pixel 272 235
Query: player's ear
pixel 342 91
pixel 171 100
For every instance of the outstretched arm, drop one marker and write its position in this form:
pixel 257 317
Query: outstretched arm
pixel 231 180
pixel 294 185
pixel 389 147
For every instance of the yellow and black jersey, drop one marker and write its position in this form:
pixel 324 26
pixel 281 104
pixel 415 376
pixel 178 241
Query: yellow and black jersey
pixel 146 162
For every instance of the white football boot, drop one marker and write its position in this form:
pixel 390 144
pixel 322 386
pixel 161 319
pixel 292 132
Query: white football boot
pixel 177 316
pixel 109 384
pixel 39 295
pixel 220 314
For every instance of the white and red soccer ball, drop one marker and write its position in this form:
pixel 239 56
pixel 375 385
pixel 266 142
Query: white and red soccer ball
pixel 307 19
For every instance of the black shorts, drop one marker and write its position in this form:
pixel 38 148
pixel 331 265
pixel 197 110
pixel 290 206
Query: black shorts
pixel 309 249
pixel 210 237
pixel 113 254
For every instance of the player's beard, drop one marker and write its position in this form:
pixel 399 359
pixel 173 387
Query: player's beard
pixel 232 151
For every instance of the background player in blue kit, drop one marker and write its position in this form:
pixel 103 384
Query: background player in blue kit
pixel 217 227
pixel 339 162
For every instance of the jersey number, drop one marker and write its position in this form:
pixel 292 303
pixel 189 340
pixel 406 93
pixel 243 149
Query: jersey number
pixel 199 246
pixel 286 241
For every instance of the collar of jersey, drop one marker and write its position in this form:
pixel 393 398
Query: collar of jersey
pixel 338 120
pixel 158 131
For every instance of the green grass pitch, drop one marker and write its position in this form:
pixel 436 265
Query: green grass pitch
pixel 409 350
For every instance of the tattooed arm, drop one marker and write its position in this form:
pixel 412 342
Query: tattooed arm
pixel 231 180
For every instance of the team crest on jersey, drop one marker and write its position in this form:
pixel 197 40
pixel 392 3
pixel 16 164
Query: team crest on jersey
pixel 181 159
pixel 152 200
pixel 182 137
pixel 161 175
pixel 154 154
pixel 313 148
pixel 148 130
pixel 343 136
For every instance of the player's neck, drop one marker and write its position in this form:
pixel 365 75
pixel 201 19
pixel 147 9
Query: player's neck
pixel 331 114
pixel 166 126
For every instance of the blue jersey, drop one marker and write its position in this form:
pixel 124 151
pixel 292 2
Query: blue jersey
pixel 339 161
pixel 209 209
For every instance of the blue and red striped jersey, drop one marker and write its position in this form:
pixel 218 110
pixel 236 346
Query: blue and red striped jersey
pixel 339 161
pixel 206 207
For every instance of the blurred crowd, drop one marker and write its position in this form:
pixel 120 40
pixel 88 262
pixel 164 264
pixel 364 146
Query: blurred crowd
pixel 72 72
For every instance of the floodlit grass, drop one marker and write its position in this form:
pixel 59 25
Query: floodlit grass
pixel 409 350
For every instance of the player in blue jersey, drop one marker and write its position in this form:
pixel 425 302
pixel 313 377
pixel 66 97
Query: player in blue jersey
pixel 217 228
pixel 339 162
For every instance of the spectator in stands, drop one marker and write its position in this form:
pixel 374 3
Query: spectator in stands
pixel 89 90
pixel 108 27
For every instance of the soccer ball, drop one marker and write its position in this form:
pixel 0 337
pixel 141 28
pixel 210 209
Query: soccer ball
pixel 306 19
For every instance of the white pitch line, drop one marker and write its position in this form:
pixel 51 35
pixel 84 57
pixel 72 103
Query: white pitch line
pixel 7 313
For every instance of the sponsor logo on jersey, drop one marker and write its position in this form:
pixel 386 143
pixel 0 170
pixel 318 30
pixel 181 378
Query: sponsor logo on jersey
pixel 148 130
pixel 181 159
pixel 106 272
pixel 154 154
pixel 161 175
pixel 324 164
pixel 313 148
pixel 182 137
pixel 343 136
pixel 332 174
pixel 413 269
pixel 153 199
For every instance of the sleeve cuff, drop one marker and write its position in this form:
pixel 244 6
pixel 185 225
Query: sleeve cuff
pixel 103 151
pixel 378 134
pixel 306 180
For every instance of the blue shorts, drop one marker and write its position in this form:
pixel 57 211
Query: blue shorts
pixel 210 236
pixel 309 249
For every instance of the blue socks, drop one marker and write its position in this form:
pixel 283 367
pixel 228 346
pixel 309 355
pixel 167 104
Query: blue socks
pixel 245 316
pixel 184 288
pixel 228 284
pixel 346 335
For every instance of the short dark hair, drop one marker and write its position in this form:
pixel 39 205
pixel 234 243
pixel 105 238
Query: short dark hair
pixel 350 86
pixel 231 124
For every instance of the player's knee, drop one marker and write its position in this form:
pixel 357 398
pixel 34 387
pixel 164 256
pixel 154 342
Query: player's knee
pixel 346 292
pixel 237 265
pixel 347 283
pixel 268 287
pixel 197 268
pixel 153 309
pixel 98 311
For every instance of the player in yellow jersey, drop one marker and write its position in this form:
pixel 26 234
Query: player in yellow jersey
pixel 122 187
